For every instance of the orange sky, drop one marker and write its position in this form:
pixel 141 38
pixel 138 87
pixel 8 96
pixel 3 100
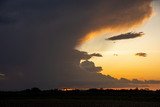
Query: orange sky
pixel 126 64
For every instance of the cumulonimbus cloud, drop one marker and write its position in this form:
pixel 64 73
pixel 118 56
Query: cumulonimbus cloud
pixel 141 54
pixel 38 49
pixel 129 35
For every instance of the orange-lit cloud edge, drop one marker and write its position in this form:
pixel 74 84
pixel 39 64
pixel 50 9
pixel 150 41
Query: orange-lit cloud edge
pixel 113 29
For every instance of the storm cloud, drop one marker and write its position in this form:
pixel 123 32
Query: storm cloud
pixel 86 56
pixel 38 39
pixel 2 76
pixel 90 66
pixel 129 35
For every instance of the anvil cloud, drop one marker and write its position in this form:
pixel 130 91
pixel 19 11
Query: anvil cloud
pixel 38 37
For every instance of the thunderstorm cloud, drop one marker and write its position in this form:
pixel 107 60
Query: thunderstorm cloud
pixel 38 40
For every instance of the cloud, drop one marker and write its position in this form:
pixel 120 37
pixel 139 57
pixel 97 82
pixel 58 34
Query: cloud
pixel 2 76
pixel 115 54
pixel 5 20
pixel 136 81
pixel 152 81
pixel 118 16
pixel 128 35
pixel 86 56
pixel 90 66
pixel 141 54
pixel 124 80
pixel 38 44
pixel 96 55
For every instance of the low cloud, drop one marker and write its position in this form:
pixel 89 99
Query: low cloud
pixel 136 81
pixel 152 81
pixel 129 35
pixel 96 55
pixel 86 56
pixel 141 54
pixel 90 66
pixel 2 76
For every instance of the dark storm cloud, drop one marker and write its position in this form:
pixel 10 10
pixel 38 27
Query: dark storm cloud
pixel 142 54
pixel 86 56
pixel 4 19
pixel 38 48
pixel 90 66
pixel 2 2
pixel 129 35
pixel 2 76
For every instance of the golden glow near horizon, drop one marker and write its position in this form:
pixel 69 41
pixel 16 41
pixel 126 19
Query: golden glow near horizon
pixel 126 64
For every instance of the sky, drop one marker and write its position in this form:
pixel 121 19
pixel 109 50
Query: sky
pixel 121 54
pixel 58 44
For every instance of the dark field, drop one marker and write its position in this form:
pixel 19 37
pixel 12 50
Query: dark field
pixel 75 103
pixel 80 98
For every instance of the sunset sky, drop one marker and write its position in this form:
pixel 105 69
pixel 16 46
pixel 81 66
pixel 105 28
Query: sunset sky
pixel 79 44
pixel 126 64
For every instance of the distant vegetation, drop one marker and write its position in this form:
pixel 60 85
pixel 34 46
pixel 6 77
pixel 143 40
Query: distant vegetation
pixel 98 94
pixel 75 98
